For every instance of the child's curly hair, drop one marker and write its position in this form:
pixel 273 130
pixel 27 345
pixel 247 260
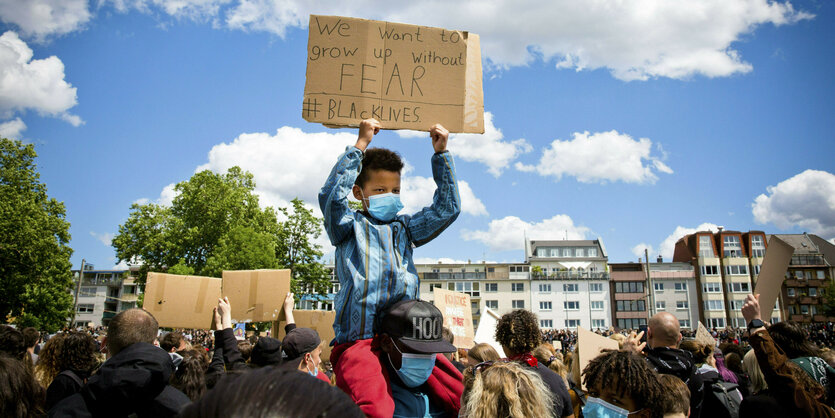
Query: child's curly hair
pixel 518 331
pixel 378 159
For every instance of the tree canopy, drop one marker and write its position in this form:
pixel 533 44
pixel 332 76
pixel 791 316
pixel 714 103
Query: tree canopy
pixel 35 276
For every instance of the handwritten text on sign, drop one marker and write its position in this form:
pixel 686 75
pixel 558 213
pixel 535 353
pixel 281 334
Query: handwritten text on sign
pixel 458 315
pixel 405 76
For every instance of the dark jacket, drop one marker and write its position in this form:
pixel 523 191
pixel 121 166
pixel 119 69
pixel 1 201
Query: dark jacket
pixel 135 381
pixel 762 405
pixel 64 385
pixel 680 363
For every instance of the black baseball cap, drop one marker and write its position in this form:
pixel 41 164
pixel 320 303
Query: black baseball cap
pixel 300 341
pixel 416 324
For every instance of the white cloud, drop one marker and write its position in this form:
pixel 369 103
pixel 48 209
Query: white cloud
pixel 436 260
pixel 12 129
pixel 487 148
pixel 805 201
pixel 123 265
pixel 40 19
pixel 668 246
pixel 105 238
pixel 638 250
pixel 417 192
pixel 598 158
pixel 166 197
pixel 633 40
pixel 36 84
pixel 509 232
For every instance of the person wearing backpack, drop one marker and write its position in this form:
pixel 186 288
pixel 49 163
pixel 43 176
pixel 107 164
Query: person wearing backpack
pixel 721 399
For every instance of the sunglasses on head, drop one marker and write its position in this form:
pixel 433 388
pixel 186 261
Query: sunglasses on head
pixel 486 364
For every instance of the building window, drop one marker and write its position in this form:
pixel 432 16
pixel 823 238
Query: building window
pixel 518 304
pixel 517 287
pixel 629 287
pixel 814 309
pixel 739 288
pixel 544 306
pixel 570 288
pixel 572 305
pixel 714 305
pixel 592 252
pixel 712 288
pixel 716 322
pixel 757 269
pixel 90 291
pixel 660 305
pixel 597 305
pixel 820 275
pixel 631 323
pixel 544 288
pixel 492 304
pixel 681 305
pixel 85 308
pixel 572 323
pixel 804 309
pixel 433 286
pixel 790 292
pixel 680 286
pixel 580 252
pixel 659 287
pixel 631 305
pixel 491 269
pixel 736 305
pixel 546 323
pixel 595 287
pixel 813 291
pixel 792 310
pixel 757 246
pixel 710 270
pixel 470 288
pixel 684 323
pixel 705 247
pixel 491 287
pixel 736 270
pixel 598 323
pixel 731 247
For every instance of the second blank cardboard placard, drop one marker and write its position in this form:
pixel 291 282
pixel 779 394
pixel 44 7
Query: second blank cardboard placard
pixel 589 346
pixel 256 295
pixel 770 280
pixel 181 301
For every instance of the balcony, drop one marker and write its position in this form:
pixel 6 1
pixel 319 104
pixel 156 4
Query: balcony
pixel 796 283
pixel 568 275
pixel 807 300
pixel 817 283
pixel 453 276
pixel 799 318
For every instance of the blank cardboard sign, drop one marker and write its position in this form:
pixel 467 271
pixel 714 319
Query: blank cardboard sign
pixel 182 301
pixel 256 295
pixel 589 346
pixel 319 321
pixel 770 280
pixel 405 76
pixel 486 332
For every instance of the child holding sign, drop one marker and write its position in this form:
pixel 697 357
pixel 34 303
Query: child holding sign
pixel 374 252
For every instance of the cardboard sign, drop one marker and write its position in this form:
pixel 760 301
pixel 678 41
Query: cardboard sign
pixel 770 280
pixel 486 332
pixel 182 301
pixel 589 346
pixel 405 76
pixel 319 321
pixel 256 295
pixel 557 345
pixel 704 337
pixel 458 316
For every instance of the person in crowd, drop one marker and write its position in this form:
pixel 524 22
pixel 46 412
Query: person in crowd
pixel 31 337
pixel 480 353
pixel 49 360
pixel 828 355
pixel 20 394
pixel 547 355
pixel 713 405
pixel 664 355
pixel 271 392
pixel 505 389
pixel 74 362
pixel 450 338
pixel 133 380
pixel 576 393
pixel 173 342
pixel 620 384
pixel 302 348
pixel 734 363
pixel 759 403
pixel 774 364
pixel 793 340
pixel 727 374
pixel 13 344
pixel 374 249
pixel 675 397
pixel 190 376
pixel 518 333
pixel 463 356
pixel 245 347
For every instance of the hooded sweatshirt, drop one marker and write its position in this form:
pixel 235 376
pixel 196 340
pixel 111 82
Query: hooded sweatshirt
pixel 135 381
pixel 680 364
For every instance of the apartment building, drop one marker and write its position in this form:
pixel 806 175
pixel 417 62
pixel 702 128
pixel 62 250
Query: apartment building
pixel 810 273
pixel 103 294
pixel 629 298
pixel 674 290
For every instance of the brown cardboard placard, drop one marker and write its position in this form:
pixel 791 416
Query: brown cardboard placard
pixel 256 295
pixel 319 321
pixel 704 337
pixel 405 76
pixel 182 301
pixel 557 345
pixel 458 315
pixel 778 254
pixel 589 346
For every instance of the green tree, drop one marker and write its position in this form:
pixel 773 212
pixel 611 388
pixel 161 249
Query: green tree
pixel 242 248
pixel 297 250
pixel 829 299
pixel 35 277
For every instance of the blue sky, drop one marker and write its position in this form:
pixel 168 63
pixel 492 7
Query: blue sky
pixel 633 125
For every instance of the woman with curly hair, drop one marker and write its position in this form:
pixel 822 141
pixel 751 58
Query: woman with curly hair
pixel 65 363
pixel 519 335
pixel 505 389
pixel 621 383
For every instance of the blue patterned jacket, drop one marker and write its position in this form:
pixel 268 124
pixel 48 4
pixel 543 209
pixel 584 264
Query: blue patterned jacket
pixel 374 259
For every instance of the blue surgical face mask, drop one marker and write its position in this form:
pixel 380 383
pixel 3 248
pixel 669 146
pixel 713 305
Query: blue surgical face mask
pixel 415 369
pixel 384 207
pixel 315 371
pixel 598 408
